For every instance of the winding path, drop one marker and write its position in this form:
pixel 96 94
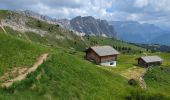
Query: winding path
pixel 38 62
pixel 136 73
pixel 3 29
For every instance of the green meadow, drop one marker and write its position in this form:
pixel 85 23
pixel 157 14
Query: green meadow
pixel 66 75
pixel 15 52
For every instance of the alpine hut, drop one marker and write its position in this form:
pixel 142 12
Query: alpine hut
pixel 147 61
pixel 103 55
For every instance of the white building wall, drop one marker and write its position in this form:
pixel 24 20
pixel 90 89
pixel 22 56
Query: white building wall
pixel 110 63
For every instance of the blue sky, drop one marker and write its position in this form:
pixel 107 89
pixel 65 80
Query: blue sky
pixel 144 11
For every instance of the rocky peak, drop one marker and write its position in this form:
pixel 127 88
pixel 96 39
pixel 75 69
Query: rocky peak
pixel 91 26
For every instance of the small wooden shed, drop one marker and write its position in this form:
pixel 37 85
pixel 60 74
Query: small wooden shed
pixel 147 61
pixel 103 55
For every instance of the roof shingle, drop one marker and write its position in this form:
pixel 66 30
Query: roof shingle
pixel 149 59
pixel 105 50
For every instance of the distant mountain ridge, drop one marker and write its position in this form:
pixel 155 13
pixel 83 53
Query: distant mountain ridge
pixel 163 39
pixel 90 25
pixel 130 31
pixel 38 16
pixel 135 32
pixel 80 25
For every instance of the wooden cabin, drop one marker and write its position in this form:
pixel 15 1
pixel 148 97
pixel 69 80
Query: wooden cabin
pixel 149 61
pixel 103 55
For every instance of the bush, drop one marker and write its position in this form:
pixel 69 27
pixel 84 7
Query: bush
pixel 139 94
pixel 39 24
pixel 133 82
pixel 58 25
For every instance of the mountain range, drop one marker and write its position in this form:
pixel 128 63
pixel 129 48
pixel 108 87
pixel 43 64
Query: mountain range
pixel 129 31
pixel 65 73
pixel 89 26
pixel 135 32
pixel 38 16
pixel 163 39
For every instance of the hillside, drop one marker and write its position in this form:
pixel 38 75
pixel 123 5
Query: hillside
pixel 53 35
pixel 158 80
pixel 17 53
pixel 66 74
pixel 87 25
pixel 80 74
pixel 155 47
pixel 75 78
pixel 32 29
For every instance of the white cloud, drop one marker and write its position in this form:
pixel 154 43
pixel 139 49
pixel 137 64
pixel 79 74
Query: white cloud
pixel 133 17
pixel 164 5
pixel 141 3
pixel 152 11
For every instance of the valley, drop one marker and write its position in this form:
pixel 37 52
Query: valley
pixel 142 33
pixel 66 74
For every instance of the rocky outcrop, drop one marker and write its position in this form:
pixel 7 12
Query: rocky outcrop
pixel 89 26
pixel 80 25
pixel 38 16
pixel 92 26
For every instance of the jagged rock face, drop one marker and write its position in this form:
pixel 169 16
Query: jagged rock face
pixel 17 22
pixel 80 25
pixel 38 16
pixel 64 23
pixel 90 25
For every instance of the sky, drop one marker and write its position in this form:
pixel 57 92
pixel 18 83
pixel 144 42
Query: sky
pixel 144 11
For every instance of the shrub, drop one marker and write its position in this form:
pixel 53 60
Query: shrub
pixel 133 82
pixel 139 94
pixel 39 24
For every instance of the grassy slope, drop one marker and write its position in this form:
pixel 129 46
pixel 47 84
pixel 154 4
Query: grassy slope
pixel 111 42
pixel 165 57
pixel 158 80
pixel 50 39
pixel 69 75
pixel 17 53
pixel 56 36
pixel 66 76
pixel 3 14
pixel 75 78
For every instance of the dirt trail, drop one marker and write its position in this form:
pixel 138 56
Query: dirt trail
pixel 142 83
pixel 22 76
pixel 136 73
pixel 3 29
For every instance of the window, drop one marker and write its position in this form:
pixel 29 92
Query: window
pixel 111 63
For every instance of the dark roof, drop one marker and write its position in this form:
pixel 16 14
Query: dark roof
pixel 105 50
pixel 149 59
